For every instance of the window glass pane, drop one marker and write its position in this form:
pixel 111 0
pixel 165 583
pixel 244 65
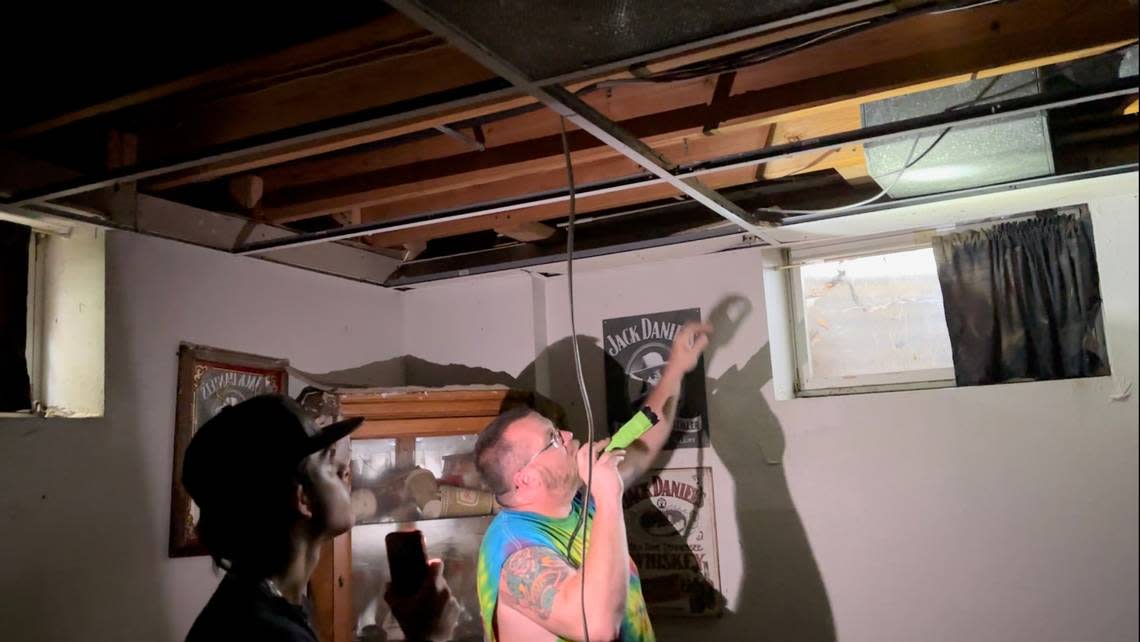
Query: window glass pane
pixel 437 479
pixel 874 315
pixel 425 483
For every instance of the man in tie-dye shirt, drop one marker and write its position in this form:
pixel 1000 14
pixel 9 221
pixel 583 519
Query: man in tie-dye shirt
pixel 531 563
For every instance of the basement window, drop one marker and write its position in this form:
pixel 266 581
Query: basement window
pixel 870 322
pixel 999 302
pixel 52 318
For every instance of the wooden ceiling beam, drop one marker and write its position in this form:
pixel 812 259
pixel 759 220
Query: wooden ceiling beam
pixel 552 179
pixel 537 159
pixel 332 144
pixel 720 180
pixel 983 44
pixel 848 161
pixel 538 165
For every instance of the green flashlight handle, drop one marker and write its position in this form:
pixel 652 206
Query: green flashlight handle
pixel 632 429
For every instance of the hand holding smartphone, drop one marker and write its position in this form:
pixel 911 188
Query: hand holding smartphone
pixel 407 561
pixel 418 595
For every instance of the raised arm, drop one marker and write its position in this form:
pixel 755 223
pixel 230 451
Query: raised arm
pixel 688 344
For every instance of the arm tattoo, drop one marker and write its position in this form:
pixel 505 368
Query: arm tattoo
pixel 531 578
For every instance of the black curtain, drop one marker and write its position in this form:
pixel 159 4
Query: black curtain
pixel 1023 300
pixel 15 387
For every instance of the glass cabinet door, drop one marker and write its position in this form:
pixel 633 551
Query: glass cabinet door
pixel 424 483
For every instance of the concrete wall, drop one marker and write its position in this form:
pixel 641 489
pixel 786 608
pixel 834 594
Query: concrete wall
pixel 85 508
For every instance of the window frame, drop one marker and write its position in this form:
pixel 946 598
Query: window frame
pixel 49 248
pixel 34 335
pixel 808 386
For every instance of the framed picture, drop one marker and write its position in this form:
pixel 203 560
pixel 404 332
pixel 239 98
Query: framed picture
pixel 671 525
pixel 210 379
pixel 637 349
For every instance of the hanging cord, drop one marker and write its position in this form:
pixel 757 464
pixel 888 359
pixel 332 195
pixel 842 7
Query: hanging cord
pixel 581 383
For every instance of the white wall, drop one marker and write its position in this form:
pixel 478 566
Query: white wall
pixel 488 322
pixel 85 508
pixel 1002 513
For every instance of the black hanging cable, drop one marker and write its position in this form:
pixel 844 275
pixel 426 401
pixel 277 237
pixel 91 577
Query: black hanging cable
pixel 581 385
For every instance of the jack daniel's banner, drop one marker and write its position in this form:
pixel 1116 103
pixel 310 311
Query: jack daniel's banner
pixel 671 526
pixel 637 348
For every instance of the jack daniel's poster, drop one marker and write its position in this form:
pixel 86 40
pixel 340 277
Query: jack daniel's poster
pixel 637 348
pixel 671 526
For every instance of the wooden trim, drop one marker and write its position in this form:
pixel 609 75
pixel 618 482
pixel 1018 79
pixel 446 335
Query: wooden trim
pixel 342 588
pixel 381 409
pixel 432 412
pixel 464 400
pixel 432 427
pixel 330 589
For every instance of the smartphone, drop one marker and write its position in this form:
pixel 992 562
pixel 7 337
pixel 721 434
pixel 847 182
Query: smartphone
pixel 407 561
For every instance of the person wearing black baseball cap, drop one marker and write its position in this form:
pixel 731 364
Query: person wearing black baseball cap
pixel 271 487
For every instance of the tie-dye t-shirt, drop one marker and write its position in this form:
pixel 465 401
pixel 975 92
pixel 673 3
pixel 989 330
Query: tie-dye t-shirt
pixel 512 531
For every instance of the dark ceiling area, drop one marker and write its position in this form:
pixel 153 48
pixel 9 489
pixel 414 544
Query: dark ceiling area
pixel 98 52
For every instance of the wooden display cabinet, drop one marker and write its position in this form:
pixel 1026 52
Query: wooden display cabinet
pixel 412 468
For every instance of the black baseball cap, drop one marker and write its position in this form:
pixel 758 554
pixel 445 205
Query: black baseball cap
pixel 249 443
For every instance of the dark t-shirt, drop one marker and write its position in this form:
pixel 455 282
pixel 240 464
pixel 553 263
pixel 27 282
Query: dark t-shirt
pixel 245 610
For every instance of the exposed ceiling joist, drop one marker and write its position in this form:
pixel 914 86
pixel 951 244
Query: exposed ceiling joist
pixel 447 115
pixel 809 123
pixel 389 190
pixel 742 162
pixel 572 108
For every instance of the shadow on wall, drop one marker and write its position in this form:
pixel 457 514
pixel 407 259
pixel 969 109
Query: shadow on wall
pixel 782 595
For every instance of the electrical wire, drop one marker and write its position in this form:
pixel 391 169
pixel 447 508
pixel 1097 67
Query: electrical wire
pixel 589 444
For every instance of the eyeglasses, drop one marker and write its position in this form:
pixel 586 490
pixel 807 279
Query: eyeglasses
pixel 555 442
